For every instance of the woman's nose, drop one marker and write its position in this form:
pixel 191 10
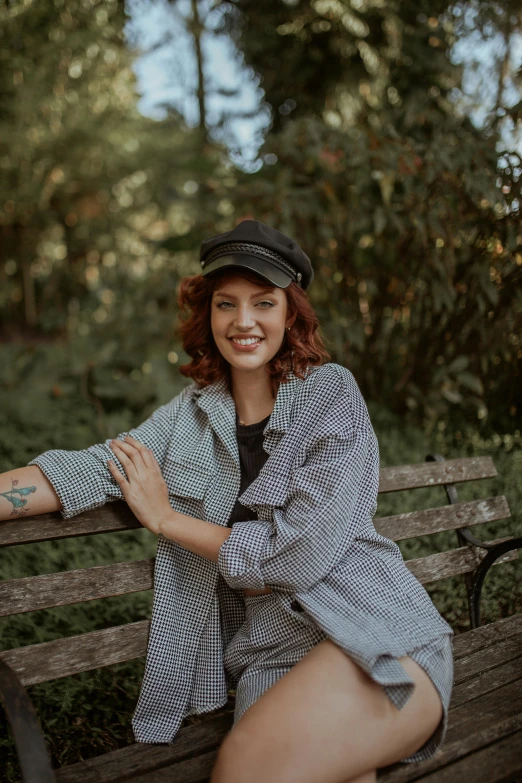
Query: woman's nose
pixel 244 317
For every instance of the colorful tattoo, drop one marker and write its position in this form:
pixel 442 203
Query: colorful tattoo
pixel 19 504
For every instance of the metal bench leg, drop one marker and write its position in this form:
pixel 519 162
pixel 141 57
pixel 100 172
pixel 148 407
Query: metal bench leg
pixel 28 737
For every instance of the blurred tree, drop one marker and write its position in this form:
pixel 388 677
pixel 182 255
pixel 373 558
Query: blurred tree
pixel 410 212
pixel 88 187
pixel 89 191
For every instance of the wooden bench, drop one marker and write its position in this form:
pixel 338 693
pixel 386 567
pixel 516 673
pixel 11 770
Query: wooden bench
pixel 484 740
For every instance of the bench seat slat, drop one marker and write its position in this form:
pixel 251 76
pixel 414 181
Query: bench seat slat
pixel 467 643
pixel 196 770
pixel 436 520
pixel 498 762
pixel 456 561
pixel 71 587
pixel 138 759
pixel 495 716
pixel 63 657
pixel 480 662
pixel 490 680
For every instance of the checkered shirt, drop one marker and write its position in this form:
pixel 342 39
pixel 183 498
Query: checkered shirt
pixel 313 539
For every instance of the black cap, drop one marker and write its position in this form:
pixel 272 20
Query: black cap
pixel 261 248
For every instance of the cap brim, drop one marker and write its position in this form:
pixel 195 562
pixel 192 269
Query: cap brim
pixel 260 266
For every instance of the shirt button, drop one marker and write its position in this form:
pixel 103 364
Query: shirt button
pixel 296 606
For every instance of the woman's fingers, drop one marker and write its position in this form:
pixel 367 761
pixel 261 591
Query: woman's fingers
pixel 145 453
pixel 118 477
pixel 127 459
pixel 136 451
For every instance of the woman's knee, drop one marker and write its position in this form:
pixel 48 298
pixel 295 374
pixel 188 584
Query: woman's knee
pixel 233 760
pixel 368 777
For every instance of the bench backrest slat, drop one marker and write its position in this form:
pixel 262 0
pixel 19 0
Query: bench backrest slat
pixel 71 587
pixel 116 515
pixel 109 518
pixel 86 584
pixel 429 474
pixel 93 650
pixel 436 520
pixel 457 561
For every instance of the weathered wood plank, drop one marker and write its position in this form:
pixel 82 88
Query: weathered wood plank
pixel 109 518
pixel 489 721
pixel 139 758
pixel 456 561
pixel 196 770
pixel 482 661
pixel 487 681
pixel 435 520
pixel 495 763
pixel 71 587
pixel 117 515
pixel 503 730
pixel 62 657
pixel 169 763
pixel 494 716
pixel 487 635
pixel 430 474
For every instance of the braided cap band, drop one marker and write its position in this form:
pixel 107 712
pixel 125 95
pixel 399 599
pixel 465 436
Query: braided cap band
pixel 249 248
pixel 254 245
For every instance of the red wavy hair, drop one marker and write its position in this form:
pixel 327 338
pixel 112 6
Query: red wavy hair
pixel 302 346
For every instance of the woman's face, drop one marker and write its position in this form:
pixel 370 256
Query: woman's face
pixel 243 311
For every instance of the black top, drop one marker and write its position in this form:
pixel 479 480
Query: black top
pixel 252 457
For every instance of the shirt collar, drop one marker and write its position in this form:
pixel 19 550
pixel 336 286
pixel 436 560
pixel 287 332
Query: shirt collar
pixel 216 397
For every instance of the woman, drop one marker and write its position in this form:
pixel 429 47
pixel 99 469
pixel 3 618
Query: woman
pixel 261 482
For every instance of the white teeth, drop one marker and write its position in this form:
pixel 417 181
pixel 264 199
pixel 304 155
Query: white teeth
pixel 248 341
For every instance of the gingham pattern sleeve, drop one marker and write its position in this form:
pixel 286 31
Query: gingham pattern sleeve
pixel 82 480
pixel 331 497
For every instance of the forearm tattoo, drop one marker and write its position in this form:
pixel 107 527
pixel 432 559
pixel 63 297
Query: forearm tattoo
pixel 17 497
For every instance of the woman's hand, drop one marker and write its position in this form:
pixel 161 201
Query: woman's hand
pixel 144 488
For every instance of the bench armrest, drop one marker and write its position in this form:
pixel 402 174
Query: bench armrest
pixel 475 581
pixel 492 554
pixel 28 737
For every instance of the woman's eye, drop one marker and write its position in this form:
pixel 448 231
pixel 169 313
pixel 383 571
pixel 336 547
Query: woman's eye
pixel 265 304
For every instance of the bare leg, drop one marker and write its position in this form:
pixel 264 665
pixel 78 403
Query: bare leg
pixel 326 721
pixel 368 777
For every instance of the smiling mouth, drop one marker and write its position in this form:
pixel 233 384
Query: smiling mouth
pixel 246 340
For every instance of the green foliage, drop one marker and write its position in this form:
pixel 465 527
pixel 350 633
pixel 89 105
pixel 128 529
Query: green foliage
pixel 411 215
pixel 89 188
pixel 399 284
pixel 84 392
pixel 409 212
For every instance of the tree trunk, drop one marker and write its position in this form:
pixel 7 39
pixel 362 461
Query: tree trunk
pixel 197 28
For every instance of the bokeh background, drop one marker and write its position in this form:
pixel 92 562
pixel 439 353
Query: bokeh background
pixel 384 136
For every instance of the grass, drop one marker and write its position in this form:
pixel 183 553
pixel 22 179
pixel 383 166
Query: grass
pixel 90 713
